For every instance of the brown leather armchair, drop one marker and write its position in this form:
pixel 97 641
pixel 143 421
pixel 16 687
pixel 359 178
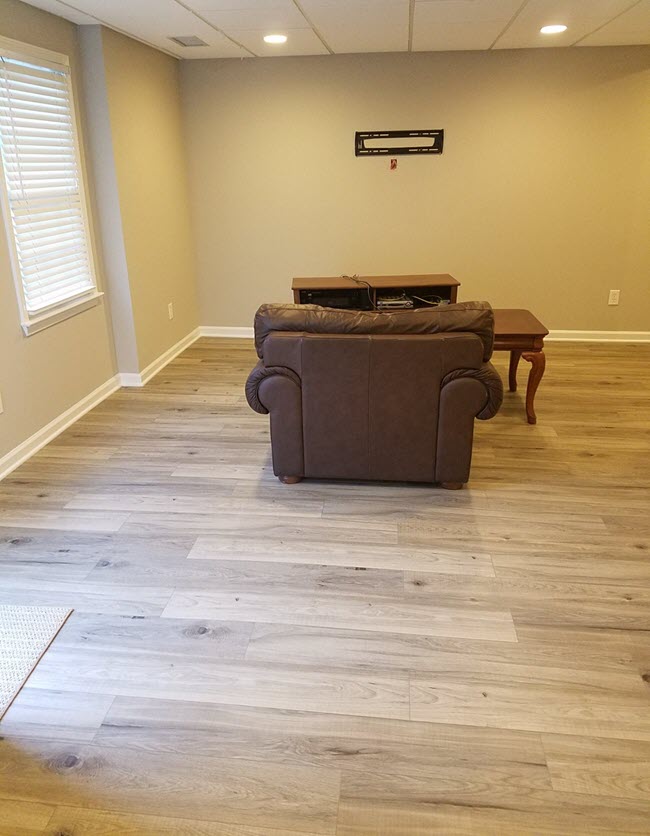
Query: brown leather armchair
pixel 368 395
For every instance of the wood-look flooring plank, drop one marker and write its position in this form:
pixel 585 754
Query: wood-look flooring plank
pixel 318 739
pixel 61 520
pixel 75 821
pixel 55 714
pixel 543 601
pixel 164 638
pixel 364 611
pixel 510 540
pixel 587 704
pixel 272 528
pixel 202 678
pixel 392 496
pixel 625 568
pixel 180 453
pixel 371 556
pixel 23 818
pixel 591 765
pixel 440 513
pixel 178 504
pixel 555 653
pixel 86 597
pixel 158 489
pixel 241 792
pixel 571 499
pixel 224 470
pixel 250 575
pixel 55 450
pixel 404 808
pixel 45 555
pixel 35 496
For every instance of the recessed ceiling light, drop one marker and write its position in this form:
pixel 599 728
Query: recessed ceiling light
pixel 275 39
pixel 553 29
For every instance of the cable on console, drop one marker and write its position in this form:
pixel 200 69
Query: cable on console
pixel 427 301
pixel 356 279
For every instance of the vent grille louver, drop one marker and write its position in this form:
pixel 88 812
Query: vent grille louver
pixel 187 40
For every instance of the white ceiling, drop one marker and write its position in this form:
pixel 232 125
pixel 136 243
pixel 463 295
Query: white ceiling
pixel 235 28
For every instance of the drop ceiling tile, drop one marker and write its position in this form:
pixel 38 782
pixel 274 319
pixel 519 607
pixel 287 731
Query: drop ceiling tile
pixel 465 11
pixel 361 26
pixel 580 16
pixel 460 24
pixel 280 18
pixel 455 36
pixel 62 10
pixel 231 5
pixel 155 21
pixel 157 14
pixel 300 42
pixel 632 27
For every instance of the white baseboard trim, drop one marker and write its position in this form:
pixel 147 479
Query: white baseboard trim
pixel 554 336
pixel 600 336
pixel 243 332
pixel 14 458
pixel 130 379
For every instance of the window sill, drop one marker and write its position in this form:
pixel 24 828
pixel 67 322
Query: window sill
pixel 72 308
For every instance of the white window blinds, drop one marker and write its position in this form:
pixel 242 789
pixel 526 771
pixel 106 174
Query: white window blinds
pixel 44 192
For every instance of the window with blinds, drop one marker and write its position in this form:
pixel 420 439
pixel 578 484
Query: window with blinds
pixel 43 196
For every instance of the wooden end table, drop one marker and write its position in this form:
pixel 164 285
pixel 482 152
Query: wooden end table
pixel 522 334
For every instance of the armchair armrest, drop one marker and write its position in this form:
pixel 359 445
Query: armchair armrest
pixel 490 378
pixel 259 373
pixel 278 390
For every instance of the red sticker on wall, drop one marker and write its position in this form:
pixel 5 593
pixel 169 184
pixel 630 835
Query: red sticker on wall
pixel 393 165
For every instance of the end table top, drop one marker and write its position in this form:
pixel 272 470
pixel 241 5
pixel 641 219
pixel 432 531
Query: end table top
pixel 515 322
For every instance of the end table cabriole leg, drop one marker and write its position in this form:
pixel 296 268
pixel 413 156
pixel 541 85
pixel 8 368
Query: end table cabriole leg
pixel 515 354
pixel 537 360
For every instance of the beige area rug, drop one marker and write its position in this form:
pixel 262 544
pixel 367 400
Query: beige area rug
pixel 25 635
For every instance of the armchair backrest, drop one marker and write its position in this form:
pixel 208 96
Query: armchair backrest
pixel 466 317
pixel 371 385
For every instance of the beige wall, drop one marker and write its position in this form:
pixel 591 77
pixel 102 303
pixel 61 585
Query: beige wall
pixel 137 140
pixel 149 157
pixel 540 199
pixel 43 375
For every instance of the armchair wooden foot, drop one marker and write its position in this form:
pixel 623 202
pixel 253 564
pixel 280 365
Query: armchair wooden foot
pixel 451 486
pixel 290 480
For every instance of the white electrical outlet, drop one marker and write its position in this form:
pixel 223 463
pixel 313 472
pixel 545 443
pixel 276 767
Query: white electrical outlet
pixel 614 297
pixel 170 310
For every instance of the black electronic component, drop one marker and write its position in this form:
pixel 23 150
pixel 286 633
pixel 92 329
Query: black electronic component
pixel 354 299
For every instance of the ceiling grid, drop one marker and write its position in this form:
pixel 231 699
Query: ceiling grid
pixel 236 28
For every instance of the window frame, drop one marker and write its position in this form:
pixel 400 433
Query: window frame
pixel 34 322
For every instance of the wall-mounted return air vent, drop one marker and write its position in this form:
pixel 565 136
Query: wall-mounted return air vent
pixel 187 40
